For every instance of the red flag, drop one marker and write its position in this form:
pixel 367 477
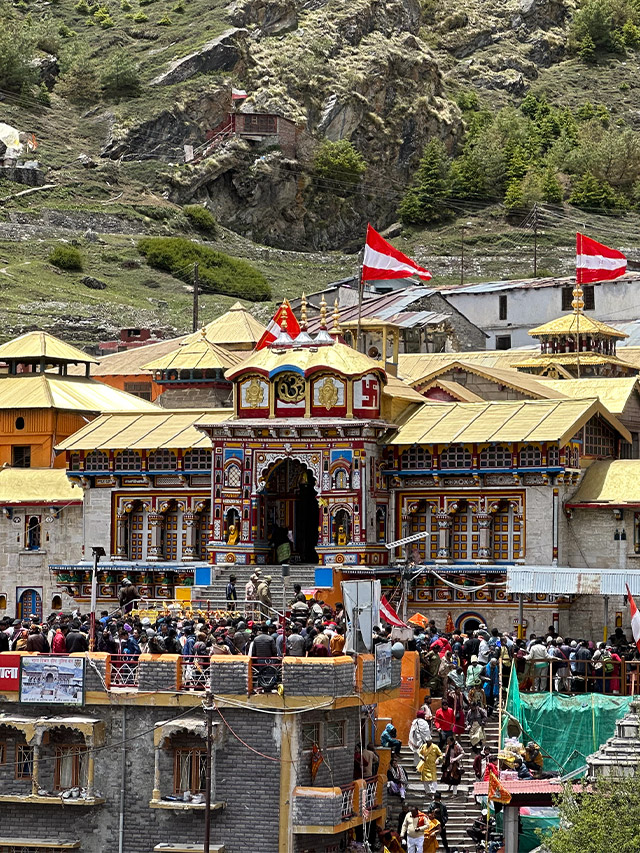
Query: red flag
pixel 597 262
pixel 275 326
pixel 497 792
pixel 635 619
pixel 382 261
pixel 316 761
pixel 388 613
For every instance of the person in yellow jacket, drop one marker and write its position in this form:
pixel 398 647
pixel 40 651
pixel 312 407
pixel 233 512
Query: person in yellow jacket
pixel 430 755
pixel 430 840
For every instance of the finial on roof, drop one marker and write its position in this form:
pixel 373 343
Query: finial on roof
pixel 578 300
pixel 323 337
pixel 303 313
pixel 323 313
pixel 284 338
pixel 336 331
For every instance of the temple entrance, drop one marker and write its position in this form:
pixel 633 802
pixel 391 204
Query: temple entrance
pixel 290 512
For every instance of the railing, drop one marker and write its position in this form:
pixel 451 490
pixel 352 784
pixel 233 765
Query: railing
pixel 347 810
pixel 623 680
pixel 196 672
pixel 266 674
pixel 124 671
pixel 254 610
pixel 371 793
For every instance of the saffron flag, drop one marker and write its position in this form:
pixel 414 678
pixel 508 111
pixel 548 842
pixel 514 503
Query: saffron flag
pixel 635 619
pixel 382 261
pixel 497 792
pixel 284 314
pixel 316 761
pixel 389 615
pixel 597 262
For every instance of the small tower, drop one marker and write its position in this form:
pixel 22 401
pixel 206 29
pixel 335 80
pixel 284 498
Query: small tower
pixel 303 339
pixel 323 337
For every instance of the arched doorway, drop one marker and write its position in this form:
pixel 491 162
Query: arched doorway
pixel 291 510
pixel 469 622
pixel 29 604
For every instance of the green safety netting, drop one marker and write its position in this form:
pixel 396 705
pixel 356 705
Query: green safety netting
pixel 567 728
pixel 534 828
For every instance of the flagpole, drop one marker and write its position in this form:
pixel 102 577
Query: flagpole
pixel 360 295
pixel 577 294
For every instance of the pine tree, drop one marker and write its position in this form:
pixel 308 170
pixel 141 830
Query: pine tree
pixel 551 187
pixel 424 201
pixel 590 193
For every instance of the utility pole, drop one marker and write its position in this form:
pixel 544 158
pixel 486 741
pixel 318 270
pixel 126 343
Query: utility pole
pixel 535 240
pixel 462 255
pixel 208 709
pixel 196 293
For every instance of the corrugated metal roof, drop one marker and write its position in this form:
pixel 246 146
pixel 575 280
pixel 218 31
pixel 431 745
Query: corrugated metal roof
pixel 413 366
pixel 529 284
pixel 42 345
pixel 500 376
pixel 338 357
pixel 558 580
pixel 196 353
pixel 174 430
pixel 384 307
pixel 572 324
pixel 67 393
pixel 37 486
pixel 613 483
pixel 614 393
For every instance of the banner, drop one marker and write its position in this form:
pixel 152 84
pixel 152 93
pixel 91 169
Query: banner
pixel 50 680
pixel 9 673
pixel 383 665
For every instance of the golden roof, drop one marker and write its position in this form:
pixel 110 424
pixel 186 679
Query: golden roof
pixel 335 357
pixel 497 421
pixel 236 326
pixel 545 359
pixel 398 389
pixel 41 345
pixel 67 393
pixel 174 430
pixel 369 323
pixel 614 393
pixel 500 376
pixel 36 486
pixel 614 482
pixel 196 353
pixel 572 324
pixel 412 367
pixel 455 389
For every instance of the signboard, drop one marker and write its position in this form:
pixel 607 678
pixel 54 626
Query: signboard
pixel 9 673
pixel 52 680
pixel 383 665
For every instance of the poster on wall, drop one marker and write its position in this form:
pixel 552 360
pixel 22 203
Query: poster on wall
pixel 52 680
pixel 9 673
pixel 383 665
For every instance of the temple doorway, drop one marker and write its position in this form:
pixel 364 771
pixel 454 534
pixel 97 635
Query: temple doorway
pixel 291 512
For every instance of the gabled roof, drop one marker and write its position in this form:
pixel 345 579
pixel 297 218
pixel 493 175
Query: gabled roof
pixel 612 483
pixel 36 486
pixel 196 353
pixel 573 324
pixel 306 360
pixel 455 389
pixel 500 376
pixel 518 421
pixel 66 393
pixel 545 359
pixel 36 346
pixel 614 393
pixel 236 326
pixel 415 366
pixel 174 430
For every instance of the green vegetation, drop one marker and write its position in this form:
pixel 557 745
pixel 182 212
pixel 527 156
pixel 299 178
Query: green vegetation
pixel 201 218
pixel 66 258
pixel 424 201
pixel 605 26
pixel 16 52
pixel 219 273
pixel 339 161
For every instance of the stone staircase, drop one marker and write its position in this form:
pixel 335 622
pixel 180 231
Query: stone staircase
pixel 303 574
pixel 463 809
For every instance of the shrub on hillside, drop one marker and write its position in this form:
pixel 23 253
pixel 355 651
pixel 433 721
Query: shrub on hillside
pixel 66 258
pixel 200 218
pixel 589 193
pixel 218 272
pixel 17 74
pixel 121 77
pixel 80 83
pixel 339 161
pixel 424 200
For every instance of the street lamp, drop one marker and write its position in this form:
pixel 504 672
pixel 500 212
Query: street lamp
pixel 97 551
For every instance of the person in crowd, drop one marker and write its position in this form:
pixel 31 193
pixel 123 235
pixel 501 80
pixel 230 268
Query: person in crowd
pixel 389 739
pixel 476 722
pixel 426 707
pixel 419 733
pixel 232 593
pixel 412 831
pixel 491 684
pixel 444 721
pixel 521 769
pixel 441 814
pixel 397 779
pixel 128 596
pixel 430 755
pixel 538 658
pixel 370 760
pixel 37 641
pixel 430 833
pixel 474 681
pixel 452 764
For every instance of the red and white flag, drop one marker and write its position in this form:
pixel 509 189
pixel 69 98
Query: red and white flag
pixel 275 326
pixel 635 619
pixel 389 614
pixel 597 262
pixel 382 261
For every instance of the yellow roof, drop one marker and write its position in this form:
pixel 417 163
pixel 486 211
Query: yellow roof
pixel 415 366
pixel 37 485
pixel 572 324
pixel 171 429
pixel 398 389
pixel 196 353
pixel 454 388
pixel 42 345
pixel 613 482
pixel 517 421
pixel 547 359
pixel 500 376
pixel 613 393
pixel 336 357
pixel 237 326
pixel 67 393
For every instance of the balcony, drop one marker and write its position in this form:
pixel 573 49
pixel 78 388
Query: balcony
pixel 327 811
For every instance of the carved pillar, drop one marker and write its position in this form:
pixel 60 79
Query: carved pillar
pixel 189 523
pixel 35 768
pixel 155 521
pixel 121 536
pixel 484 520
pixel 445 523
pixel 156 775
pixel 91 767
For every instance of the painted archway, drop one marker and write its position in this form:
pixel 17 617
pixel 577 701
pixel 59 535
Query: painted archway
pixel 469 621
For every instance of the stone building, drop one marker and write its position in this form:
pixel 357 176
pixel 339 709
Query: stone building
pixel 132 749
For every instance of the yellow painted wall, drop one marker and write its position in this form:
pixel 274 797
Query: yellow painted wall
pixel 402 709
pixel 42 430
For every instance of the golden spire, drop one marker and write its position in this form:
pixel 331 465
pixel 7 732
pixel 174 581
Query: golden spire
pixel 303 313
pixel 578 300
pixel 283 321
pixel 336 318
pixel 323 313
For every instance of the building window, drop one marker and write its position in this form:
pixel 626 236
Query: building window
pixel 128 460
pixel 198 459
pixel 19 423
pixel 341 479
pixel 189 771
pixel 599 438
pixel 530 457
pixel 503 341
pixel 455 456
pixel 3 752
pixel 415 457
pixel 335 734
pixel 310 736
pixel 588 295
pixel 96 461
pixel 502 306
pixel 70 768
pixel 233 476
pixel 74 462
pixel 139 389
pixel 495 456
pixel 21 456
pixel 162 460
pixel 32 532
pixel 553 455
pixel 24 761
pixel 3 606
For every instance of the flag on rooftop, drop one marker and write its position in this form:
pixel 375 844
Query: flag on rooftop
pixel 388 613
pixel 283 316
pixel 497 791
pixel 382 261
pixel 597 262
pixel 635 619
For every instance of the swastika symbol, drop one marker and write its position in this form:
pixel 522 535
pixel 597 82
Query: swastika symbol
pixel 369 393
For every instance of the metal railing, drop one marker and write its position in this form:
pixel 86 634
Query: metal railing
pixel 371 793
pixel 266 674
pixel 196 672
pixel 124 671
pixel 622 680
pixel 347 810
pixel 254 610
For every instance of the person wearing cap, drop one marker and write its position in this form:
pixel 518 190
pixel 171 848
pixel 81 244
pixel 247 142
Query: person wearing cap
pixel 76 641
pixel 128 596
pixel 474 681
pixel 232 593
pixel 264 594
